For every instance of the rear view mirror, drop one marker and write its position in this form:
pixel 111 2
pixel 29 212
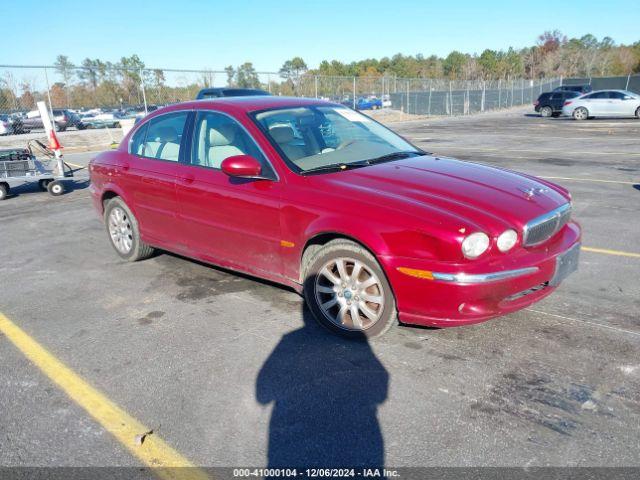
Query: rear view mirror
pixel 241 166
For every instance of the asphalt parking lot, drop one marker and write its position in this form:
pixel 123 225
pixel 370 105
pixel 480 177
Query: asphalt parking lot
pixel 221 366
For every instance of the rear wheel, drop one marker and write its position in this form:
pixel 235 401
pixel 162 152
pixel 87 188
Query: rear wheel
pixel 580 113
pixel 43 184
pixel 347 290
pixel 638 113
pixel 546 112
pixel 4 191
pixel 124 233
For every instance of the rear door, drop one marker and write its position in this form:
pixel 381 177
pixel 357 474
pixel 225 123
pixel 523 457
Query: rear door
pixel 149 177
pixel 598 103
pixel 230 221
pixel 556 100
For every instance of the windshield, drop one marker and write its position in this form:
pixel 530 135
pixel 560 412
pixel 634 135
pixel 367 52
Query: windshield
pixel 314 137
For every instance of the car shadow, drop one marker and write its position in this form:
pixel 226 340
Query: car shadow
pixel 325 391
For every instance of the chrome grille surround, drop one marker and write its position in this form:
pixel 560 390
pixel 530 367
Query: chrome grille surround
pixel 545 226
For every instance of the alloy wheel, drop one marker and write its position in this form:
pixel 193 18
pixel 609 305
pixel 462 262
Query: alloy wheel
pixel 120 230
pixel 349 294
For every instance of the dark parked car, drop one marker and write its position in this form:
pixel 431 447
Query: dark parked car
pixel 371 103
pixel 581 89
pixel 229 92
pixel 549 104
pixel 63 119
pixel 10 125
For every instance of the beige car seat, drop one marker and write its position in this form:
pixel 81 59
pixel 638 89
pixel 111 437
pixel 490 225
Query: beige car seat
pixel 283 136
pixel 165 145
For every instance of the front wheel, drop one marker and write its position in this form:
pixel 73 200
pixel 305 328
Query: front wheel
pixel 347 291
pixel 4 191
pixel 124 233
pixel 580 113
pixel 55 188
pixel 638 113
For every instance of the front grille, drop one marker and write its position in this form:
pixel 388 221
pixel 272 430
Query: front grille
pixel 526 292
pixel 544 227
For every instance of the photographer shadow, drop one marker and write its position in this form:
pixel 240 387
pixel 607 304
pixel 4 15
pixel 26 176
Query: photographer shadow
pixel 325 392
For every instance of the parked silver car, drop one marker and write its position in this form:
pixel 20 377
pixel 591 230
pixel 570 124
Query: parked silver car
pixel 603 103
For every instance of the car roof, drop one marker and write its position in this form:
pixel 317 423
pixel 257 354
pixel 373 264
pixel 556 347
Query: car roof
pixel 246 104
pixel 610 90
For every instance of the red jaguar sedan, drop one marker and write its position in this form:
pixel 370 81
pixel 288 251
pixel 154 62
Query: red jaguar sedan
pixel 316 196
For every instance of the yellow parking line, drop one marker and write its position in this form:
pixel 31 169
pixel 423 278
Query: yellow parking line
pixel 610 252
pixel 153 451
pixel 590 180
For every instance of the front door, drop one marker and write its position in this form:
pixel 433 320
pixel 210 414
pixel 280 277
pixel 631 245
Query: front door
pixel 233 222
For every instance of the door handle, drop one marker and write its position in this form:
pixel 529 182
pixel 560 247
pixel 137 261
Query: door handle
pixel 187 179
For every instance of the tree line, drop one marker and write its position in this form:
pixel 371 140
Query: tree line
pixel 97 82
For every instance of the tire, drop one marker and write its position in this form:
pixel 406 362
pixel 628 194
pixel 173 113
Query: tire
pixel 43 184
pixel 61 129
pixel 4 191
pixel 546 111
pixel 124 233
pixel 348 296
pixel 580 114
pixel 638 113
pixel 55 188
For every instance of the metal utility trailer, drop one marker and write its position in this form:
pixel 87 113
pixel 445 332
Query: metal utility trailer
pixel 21 166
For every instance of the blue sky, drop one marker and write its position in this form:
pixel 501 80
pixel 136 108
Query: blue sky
pixel 213 34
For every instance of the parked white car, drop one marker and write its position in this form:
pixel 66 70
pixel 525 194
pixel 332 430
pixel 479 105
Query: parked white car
pixel 603 103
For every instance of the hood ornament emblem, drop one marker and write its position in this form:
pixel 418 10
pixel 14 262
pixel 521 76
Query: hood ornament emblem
pixel 533 191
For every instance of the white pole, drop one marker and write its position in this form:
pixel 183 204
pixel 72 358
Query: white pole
pixel 144 95
pixel 354 93
pixel 46 77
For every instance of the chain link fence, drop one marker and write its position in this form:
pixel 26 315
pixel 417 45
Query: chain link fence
pixel 629 82
pixel 99 96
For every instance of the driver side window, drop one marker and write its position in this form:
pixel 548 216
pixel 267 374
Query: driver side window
pixel 218 137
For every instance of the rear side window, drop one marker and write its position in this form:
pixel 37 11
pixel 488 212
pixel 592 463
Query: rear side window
pixel 164 135
pixel 617 95
pixel 137 141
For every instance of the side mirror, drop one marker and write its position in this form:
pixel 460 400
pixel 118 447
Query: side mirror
pixel 241 166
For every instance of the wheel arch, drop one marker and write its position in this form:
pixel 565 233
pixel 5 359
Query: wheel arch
pixel 112 191
pixel 319 239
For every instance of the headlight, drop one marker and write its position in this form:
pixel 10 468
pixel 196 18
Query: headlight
pixel 507 240
pixel 475 245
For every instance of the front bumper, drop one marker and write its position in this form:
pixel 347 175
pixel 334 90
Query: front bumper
pixel 460 294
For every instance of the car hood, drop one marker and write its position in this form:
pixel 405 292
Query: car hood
pixel 437 189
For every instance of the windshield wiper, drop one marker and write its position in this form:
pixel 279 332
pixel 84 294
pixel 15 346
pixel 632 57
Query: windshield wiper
pixel 333 167
pixel 336 167
pixel 394 156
